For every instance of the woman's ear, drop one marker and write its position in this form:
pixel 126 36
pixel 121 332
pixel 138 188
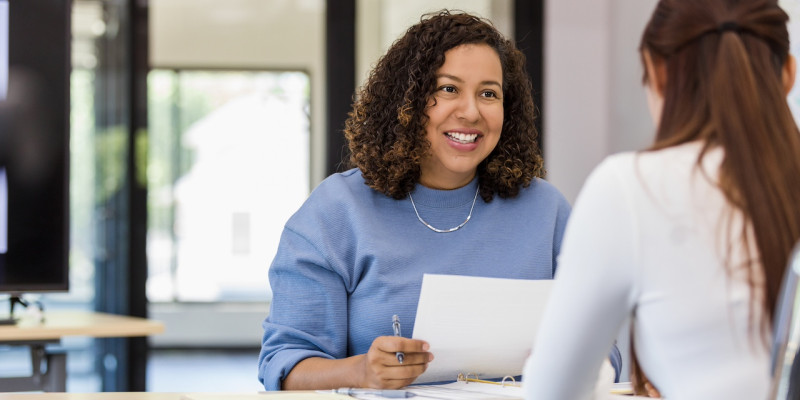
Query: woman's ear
pixel 656 73
pixel 789 70
pixel 654 86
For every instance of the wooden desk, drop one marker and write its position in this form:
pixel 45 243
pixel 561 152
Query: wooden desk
pixel 298 395
pixel 30 331
pixel 295 395
pixel 58 324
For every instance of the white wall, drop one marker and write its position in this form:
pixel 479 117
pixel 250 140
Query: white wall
pixel 792 7
pixel 594 101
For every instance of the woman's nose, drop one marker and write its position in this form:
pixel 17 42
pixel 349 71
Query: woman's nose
pixel 468 109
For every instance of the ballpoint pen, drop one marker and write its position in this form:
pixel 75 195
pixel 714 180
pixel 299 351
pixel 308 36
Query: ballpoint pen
pixel 388 393
pixel 396 326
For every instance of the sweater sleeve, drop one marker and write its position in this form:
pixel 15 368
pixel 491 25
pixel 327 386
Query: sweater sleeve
pixel 313 324
pixel 592 293
pixel 562 216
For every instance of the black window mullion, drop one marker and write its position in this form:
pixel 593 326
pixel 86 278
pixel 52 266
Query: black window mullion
pixel 529 36
pixel 340 67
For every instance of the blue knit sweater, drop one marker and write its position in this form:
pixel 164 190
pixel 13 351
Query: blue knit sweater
pixel 351 257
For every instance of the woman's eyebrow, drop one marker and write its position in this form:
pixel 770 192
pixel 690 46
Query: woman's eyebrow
pixel 459 80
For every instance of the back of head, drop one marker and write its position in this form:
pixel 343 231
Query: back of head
pixel 386 129
pixel 724 61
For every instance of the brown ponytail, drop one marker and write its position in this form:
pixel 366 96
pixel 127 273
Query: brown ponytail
pixel 724 61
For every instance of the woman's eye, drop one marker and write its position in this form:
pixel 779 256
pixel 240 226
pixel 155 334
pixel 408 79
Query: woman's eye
pixel 489 94
pixel 448 89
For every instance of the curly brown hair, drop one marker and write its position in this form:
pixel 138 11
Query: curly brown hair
pixel 386 129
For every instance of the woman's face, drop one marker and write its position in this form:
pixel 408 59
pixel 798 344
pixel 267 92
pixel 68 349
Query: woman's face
pixel 465 116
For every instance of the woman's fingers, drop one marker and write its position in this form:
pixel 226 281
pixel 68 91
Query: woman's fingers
pixel 383 367
pixel 394 344
pixel 413 351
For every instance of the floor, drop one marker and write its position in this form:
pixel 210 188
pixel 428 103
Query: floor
pixel 203 371
pixel 167 370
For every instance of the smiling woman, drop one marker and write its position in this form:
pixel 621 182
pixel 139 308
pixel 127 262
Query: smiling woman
pixel 445 117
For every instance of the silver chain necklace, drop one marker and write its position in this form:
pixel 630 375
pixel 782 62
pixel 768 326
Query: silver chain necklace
pixel 431 227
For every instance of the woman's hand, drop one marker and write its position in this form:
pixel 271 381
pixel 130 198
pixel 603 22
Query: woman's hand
pixel 383 370
pixel 378 368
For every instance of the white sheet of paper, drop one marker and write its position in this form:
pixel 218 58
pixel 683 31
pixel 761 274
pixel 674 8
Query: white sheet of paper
pixel 480 326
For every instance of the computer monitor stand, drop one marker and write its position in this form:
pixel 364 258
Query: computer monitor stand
pixel 14 300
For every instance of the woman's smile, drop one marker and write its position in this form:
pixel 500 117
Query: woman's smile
pixel 464 136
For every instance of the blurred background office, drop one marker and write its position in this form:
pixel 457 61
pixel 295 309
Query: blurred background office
pixel 198 127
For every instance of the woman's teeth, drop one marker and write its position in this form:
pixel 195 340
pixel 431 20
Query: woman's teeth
pixel 463 138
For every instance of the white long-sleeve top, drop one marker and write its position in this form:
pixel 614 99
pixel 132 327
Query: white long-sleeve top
pixel 646 238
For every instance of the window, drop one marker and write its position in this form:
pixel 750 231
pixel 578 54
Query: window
pixel 228 165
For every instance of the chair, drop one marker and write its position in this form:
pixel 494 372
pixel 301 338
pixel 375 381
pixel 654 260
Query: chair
pixel 786 340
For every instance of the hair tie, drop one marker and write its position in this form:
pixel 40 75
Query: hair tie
pixel 728 26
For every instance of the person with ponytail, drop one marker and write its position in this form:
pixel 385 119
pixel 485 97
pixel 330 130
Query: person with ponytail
pixel 689 238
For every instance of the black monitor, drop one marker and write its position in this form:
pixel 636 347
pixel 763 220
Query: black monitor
pixel 34 145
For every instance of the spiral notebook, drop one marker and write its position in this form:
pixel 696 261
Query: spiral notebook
pixel 485 326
